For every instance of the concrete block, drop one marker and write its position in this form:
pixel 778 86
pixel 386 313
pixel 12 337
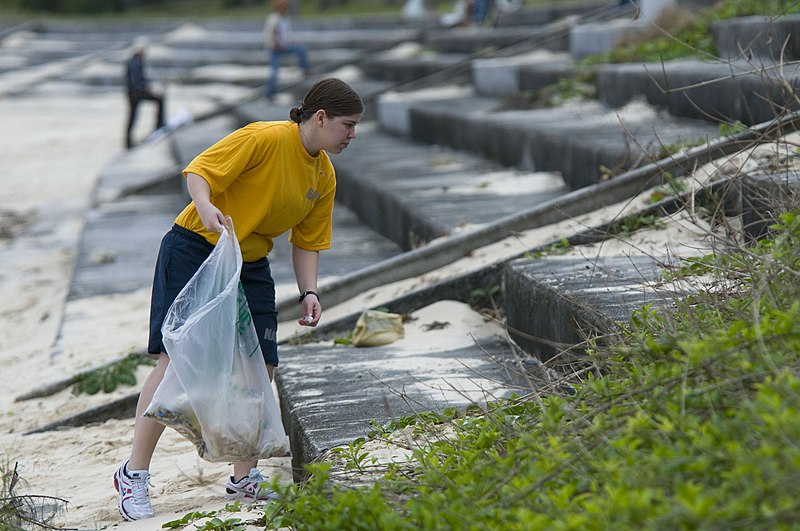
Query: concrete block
pixel 554 305
pixel 332 395
pixel 495 77
pixel 760 37
pixel 575 139
pixel 765 197
pixel 597 37
pixel 407 69
pixel 474 40
pixel 709 91
pixel 502 76
pixel 651 9
pixel 394 108
pixel 533 77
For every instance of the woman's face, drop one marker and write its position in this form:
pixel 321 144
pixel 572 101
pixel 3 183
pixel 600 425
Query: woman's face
pixel 338 132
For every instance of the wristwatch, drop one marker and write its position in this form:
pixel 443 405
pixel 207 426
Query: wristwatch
pixel 306 294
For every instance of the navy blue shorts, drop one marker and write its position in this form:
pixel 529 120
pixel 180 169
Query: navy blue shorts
pixel 180 256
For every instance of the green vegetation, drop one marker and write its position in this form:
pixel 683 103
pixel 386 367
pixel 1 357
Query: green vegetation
pixel 690 421
pixel 109 377
pixel 726 129
pixel 344 340
pixel 566 89
pixel 484 297
pixel 213 520
pixel 560 247
pixel 673 187
pixel 578 87
pixel 635 222
pixel 666 150
pixel 690 36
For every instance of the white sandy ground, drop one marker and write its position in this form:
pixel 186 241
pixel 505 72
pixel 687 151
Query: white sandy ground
pixel 55 143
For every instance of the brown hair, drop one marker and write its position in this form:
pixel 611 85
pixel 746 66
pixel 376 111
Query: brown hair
pixel 332 95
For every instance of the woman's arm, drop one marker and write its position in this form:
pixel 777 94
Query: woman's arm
pixel 306 264
pixel 200 192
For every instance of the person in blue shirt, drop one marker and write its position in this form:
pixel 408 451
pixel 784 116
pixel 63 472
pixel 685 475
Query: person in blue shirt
pixel 139 89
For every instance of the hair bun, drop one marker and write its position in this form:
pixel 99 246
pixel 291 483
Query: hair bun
pixel 296 114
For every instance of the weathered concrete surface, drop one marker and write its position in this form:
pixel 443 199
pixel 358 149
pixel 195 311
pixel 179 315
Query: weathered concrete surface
pixel 579 140
pixel 537 76
pixel 473 40
pixel 387 66
pixel 331 395
pixel 763 37
pixel 424 192
pixel 508 76
pixel 764 197
pixel 729 92
pixel 558 304
pixel 136 198
pixel 122 408
pixel 394 107
pixel 597 37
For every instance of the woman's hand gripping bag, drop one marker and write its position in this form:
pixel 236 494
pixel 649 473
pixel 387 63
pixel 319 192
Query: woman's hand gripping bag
pixel 216 390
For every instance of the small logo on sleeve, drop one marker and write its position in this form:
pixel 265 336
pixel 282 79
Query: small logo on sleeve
pixel 312 195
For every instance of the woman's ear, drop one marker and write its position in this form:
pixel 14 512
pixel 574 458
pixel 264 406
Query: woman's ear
pixel 319 117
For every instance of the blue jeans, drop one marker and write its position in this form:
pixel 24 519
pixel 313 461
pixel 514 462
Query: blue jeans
pixel 275 64
pixel 480 10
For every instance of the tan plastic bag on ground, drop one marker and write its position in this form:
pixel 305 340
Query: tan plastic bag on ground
pixel 376 328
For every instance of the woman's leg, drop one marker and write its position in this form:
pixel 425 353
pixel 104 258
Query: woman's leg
pixel 242 468
pixel 146 431
pixel 275 66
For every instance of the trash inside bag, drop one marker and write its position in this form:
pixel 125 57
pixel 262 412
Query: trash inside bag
pixel 375 328
pixel 216 390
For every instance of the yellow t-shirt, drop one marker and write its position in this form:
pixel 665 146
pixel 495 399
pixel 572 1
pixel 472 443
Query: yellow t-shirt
pixel 262 176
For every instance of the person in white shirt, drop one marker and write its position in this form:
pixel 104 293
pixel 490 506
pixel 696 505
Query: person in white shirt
pixel 279 42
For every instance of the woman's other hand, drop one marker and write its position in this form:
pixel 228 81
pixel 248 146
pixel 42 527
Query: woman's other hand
pixel 312 311
pixel 211 216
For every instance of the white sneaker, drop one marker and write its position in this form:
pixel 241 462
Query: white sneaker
pixel 253 488
pixel 134 502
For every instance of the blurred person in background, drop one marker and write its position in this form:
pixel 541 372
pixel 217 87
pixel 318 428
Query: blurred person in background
pixel 139 89
pixel 270 177
pixel 279 42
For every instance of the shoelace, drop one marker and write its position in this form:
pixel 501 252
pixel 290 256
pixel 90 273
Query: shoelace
pixel 259 480
pixel 139 491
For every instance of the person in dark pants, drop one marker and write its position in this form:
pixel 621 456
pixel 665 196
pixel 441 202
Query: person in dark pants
pixel 139 90
pixel 270 177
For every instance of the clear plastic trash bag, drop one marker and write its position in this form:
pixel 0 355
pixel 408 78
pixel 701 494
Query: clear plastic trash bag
pixel 216 390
